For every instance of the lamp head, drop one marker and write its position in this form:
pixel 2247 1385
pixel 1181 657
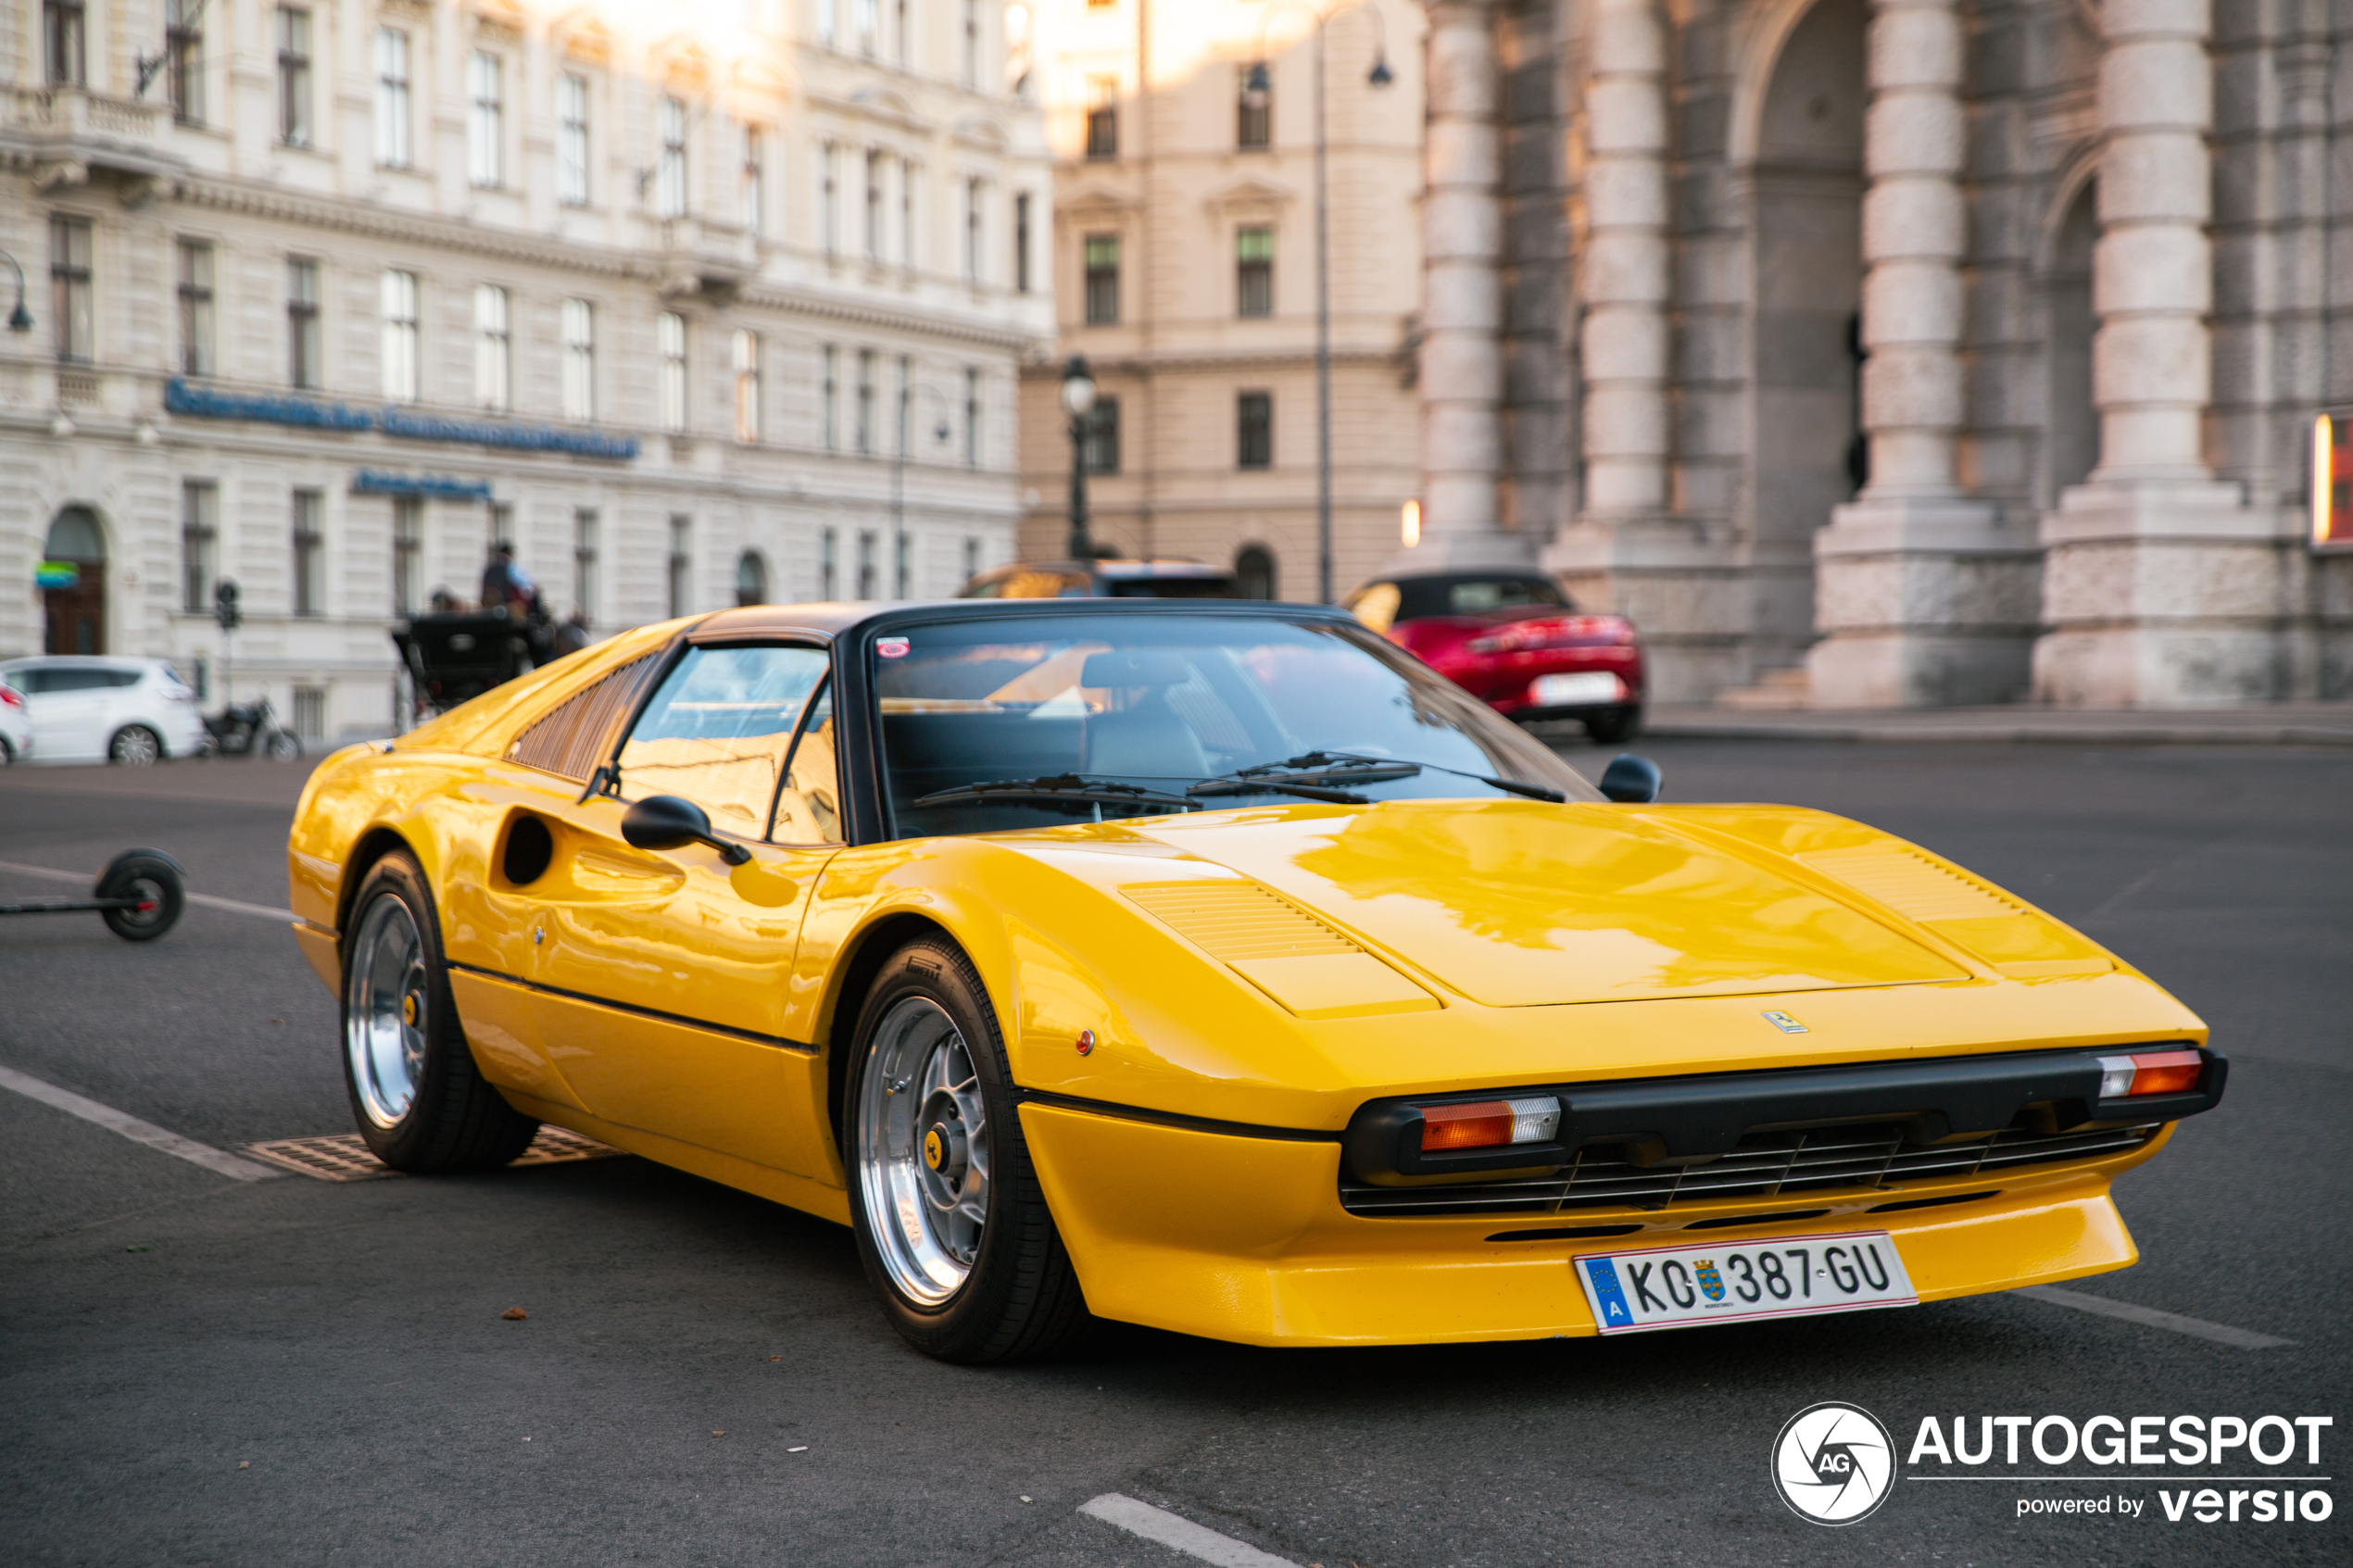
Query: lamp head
pixel 1257 85
pixel 1382 75
pixel 1078 387
pixel 19 319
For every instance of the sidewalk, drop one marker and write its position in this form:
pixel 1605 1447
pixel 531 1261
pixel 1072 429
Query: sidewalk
pixel 2311 724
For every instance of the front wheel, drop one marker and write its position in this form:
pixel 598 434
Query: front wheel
pixel 952 1225
pixel 284 746
pixel 135 745
pixel 420 1102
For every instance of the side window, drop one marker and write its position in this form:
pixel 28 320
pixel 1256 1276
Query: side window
pixel 717 731
pixel 124 677
pixel 809 806
pixel 32 683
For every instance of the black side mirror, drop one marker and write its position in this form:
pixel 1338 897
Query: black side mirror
pixel 1628 779
pixel 665 822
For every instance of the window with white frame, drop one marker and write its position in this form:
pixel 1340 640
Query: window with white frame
pixel 397 308
pixel 486 118
pixel 196 308
pixel 682 563
pixel 911 177
pixel 64 41
pixel 828 565
pixel 1021 242
pixel 864 429
pixel 586 583
pixel 975 195
pixel 829 22
pixel 494 355
pixel 70 292
pixel 305 344
pixel 392 99
pixel 970 76
pixel 580 360
pixel 670 169
pixel 407 553
pixel 829 397
pixel 746 355
pixel 571 140
pixel 199 542
pixel 184 59
pixel 868 24
pixel 873 206
pixel 971 418
pixel 752 182
pixel 671 343
pixel 829 196
pixel 310 553
pixel 294 76
pixel 866 564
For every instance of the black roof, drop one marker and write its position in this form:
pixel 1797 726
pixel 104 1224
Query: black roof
pixel 833 621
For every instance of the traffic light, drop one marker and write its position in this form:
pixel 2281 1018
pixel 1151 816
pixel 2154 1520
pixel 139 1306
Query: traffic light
pixel 224 605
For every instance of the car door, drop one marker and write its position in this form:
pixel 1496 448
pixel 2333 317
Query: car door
pixel 67 704
pixel 660 975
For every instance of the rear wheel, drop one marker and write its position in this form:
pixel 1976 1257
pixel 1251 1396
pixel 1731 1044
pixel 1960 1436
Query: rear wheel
pixel 420 1102
pixel 952 1225
pixel 151 877
pixel 135 745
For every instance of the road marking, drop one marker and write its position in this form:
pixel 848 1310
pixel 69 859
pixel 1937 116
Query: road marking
pixel 234 906
pixel 2220 1333
pixel 131 1127
pixel 1178 1532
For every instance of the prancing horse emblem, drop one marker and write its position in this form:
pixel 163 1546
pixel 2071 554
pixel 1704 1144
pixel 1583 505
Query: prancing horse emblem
pixel 1782 1022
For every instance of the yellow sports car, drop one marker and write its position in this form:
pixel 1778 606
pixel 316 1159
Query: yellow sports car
pixel 1216 967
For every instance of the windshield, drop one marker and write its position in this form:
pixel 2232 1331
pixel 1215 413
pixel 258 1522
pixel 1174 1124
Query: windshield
pixel 1090 717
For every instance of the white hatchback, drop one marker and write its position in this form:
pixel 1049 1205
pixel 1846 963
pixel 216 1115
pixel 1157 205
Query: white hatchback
pixel 89 710
pixel 15 726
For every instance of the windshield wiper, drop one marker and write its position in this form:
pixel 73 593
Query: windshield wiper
pixel 1234 784
pixel 1057 787
pixel 1316 767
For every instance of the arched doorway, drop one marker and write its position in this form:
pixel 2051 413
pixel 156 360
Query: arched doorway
pixel 751 578
pixel 2073 424
pixel 74 559
pixel 1807 201
pixel 1254 572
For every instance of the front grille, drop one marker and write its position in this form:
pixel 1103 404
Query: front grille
pixel 1820 1160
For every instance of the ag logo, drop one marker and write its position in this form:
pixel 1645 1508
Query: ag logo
pixel 1833 1463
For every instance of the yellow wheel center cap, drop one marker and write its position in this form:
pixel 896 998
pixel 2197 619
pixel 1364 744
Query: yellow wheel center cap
pixel 408 1010
pixel 934 1149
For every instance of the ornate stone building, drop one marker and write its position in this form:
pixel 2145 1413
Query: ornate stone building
pixel 1184 265
pixel 1884 353
pixel 327 295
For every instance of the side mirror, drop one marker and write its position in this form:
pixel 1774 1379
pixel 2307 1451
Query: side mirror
pixel 665 822
pixel 1628 779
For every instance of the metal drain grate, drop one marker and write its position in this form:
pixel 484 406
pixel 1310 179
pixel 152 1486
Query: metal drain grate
pixel 345 1157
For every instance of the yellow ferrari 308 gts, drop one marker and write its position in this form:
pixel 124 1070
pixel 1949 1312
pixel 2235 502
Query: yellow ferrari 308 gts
pixel 1216 967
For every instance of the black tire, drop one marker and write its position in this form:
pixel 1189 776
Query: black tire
pixel 1614 726
pixel 135 745
pixel 8 753
pixel 454 1119
pixel 154 878
pixel 1021 1298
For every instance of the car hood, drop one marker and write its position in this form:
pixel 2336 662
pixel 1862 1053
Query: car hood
pixel 1519 904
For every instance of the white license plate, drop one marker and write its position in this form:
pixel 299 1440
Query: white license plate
pixel 1737 1281
pixel 1566 691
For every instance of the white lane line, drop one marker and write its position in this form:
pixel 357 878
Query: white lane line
pixel 236 907
pixel 131 1127
pixel 1178 1534
pixel 2220 1333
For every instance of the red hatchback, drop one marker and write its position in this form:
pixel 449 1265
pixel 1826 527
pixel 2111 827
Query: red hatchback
pixel 1513 639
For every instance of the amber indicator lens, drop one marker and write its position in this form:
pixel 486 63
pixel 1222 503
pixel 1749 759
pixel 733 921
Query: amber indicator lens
pixel 1490 1124
pixel 2150 1073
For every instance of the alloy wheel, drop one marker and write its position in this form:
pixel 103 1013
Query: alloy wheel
pixel 923 1151
pixel 385 1002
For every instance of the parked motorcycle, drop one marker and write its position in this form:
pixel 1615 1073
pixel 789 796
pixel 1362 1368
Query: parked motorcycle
pixel 250 729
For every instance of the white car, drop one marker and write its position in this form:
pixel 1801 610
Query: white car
pixel 15 726
pixel 89 710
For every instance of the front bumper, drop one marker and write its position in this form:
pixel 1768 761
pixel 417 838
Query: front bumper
pixel 1244 1238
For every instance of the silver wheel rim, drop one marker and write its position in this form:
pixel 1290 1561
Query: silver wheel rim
pixel 384 1019
pixel 136 747
pixel 924 1164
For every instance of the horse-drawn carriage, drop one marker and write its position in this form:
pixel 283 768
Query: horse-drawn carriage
pixel 455 656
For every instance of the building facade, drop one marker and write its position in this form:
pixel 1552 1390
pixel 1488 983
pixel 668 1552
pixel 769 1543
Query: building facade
pixel 328 297
pixel 1184 263
pixel 1881 353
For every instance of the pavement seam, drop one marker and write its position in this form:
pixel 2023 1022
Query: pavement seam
pixel 1178 1532
pixel 2154 1317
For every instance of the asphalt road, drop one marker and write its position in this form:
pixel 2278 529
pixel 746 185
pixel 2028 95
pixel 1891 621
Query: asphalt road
pixel 196 1370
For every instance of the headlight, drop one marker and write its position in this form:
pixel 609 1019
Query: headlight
pixel 1490 1124
pixel 2149 1073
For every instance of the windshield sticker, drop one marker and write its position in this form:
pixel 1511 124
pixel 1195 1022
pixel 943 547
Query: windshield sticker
pixel 891 647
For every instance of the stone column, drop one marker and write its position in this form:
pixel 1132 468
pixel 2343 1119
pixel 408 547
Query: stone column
pixel 1462 356
pixel 1923 597
pixel 1625 551
pixel 2160 585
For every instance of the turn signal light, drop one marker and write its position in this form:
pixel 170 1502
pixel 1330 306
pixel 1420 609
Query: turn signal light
pixel 1490 1124
pixel 2150 1073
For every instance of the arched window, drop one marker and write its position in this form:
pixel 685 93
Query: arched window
pixel 1254 570
pixel 751 578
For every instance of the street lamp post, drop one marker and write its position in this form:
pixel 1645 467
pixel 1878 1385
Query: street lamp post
pixel 1258 86
pixel 1078 400
pixel 19 319
pixel 898 560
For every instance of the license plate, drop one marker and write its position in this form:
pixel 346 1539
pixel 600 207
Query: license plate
pixel 1734 1282
pixel 1565 691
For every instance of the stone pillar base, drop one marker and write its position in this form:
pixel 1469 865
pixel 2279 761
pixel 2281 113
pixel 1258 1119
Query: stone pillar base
pixel 2164 594
pixel 1921 603
pixel 1688 604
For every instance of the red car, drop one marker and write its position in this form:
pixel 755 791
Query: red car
pixel 1513 639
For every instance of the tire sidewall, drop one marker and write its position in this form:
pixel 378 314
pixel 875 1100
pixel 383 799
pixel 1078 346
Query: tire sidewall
pixel 401 1145
pixel 961 1327
pixel 172 894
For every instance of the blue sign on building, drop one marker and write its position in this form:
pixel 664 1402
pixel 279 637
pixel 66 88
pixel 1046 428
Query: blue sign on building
pixel 210 403
pixel 374 482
